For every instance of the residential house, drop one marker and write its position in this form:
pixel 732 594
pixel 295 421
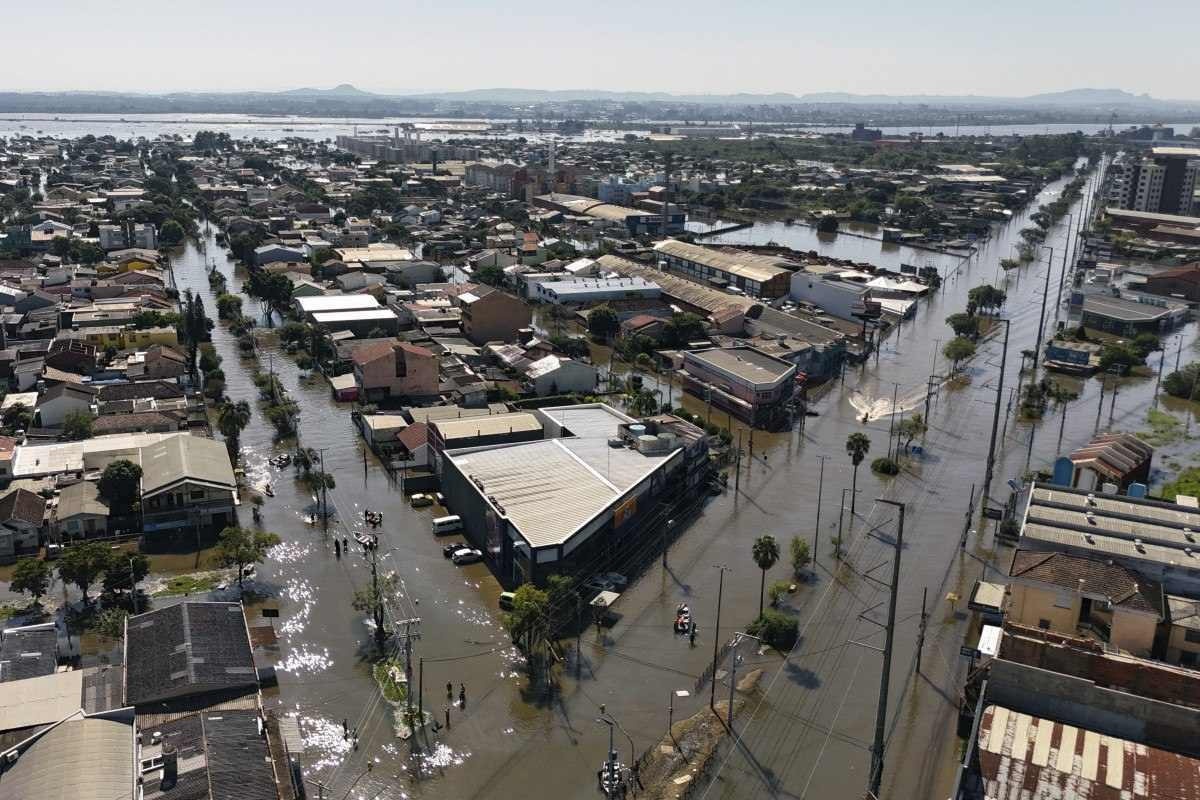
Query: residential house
pixel 22 516
pixel 490 315
pixel 1066 593
pixel 63 399
pixel 81 513
pixel 392 369
pixel 187 481
pixel 157 362
pixel 555 374
pixel 268 253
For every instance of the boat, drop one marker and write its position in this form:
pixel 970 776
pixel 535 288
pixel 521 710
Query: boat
pixel 683 618
pixel 268 491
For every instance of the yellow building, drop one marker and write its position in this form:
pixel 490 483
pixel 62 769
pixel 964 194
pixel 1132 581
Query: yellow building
pixel 1068 594
pixel 127 338
pixel 1183 645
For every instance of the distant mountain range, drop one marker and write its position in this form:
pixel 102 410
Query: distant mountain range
pixel 347 100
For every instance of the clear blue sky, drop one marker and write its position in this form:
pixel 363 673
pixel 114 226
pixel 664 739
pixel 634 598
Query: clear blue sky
pixel 1016 47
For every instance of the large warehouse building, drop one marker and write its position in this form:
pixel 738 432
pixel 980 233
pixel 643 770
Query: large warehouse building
pixel 573 500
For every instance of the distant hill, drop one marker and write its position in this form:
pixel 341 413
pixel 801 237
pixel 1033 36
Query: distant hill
pixel 341 90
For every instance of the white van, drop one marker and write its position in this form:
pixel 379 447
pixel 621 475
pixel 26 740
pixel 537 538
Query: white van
pixel 448 524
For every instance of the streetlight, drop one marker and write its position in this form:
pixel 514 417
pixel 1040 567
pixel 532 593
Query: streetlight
pixel 991 457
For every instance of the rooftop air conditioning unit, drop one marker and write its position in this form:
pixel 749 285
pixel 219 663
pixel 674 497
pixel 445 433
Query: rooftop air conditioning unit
pixel 1091 499
pixel 1138 544
pixel 1091 518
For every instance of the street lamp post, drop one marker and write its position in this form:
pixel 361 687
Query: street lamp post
pixel 991 457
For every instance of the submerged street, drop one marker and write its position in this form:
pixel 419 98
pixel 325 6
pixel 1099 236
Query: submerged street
pixel 813 710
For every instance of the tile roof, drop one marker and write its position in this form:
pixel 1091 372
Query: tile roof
pixel 1090 576
pixel 187 649
pixel 159 390
pixel 23 505
pixel 28 652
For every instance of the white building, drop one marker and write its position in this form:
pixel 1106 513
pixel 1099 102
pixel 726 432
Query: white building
pixel 833 295
pixel 594 290
pixel 558 375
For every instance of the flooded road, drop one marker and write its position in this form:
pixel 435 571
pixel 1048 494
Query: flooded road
pixel 808 732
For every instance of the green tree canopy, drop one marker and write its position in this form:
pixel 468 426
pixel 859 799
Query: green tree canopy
pixel 121 485
pixel 82 564
pixel 240 547
pixel 765 552
pixel 958 349
pixel 77 425
pixel 31 576
pixel 603 321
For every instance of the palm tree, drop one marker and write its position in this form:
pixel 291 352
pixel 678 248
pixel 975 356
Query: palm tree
pixel 765 553
pixel 857 447
pixel 1063 397
pixel 232 418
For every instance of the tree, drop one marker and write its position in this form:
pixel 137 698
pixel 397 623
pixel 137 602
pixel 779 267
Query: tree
pixel 17 417
pixel 111 623
pixel 526 622
pixel 491 275
pixel 31 576
pixel 776 628
pixel 857 447
pixel 910 428
pixel 964 324
pixel 229 306
pixel 957 349
pixel 1063 397
pixel 77 425
pixel 171 233
pixel 986 298
pixel 82 564
pixel 123 572
pixel 765 552
pixel 1144 344
pixel 1119 357
pixel 682 328
pixel 1183 384
pixel 827 224
pixel 800 555
pixel 239 547
pixel 232 419
pixel 603 322
pixel 121 485
pixel 371 599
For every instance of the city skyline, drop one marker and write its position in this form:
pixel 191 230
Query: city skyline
pixel 933 49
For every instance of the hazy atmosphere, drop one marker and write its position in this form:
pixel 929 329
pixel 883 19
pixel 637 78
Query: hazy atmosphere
pixel 931 47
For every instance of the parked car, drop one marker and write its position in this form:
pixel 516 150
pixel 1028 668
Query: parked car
pixel 467 555
pixel 616 580
pixel 595 585
pixel 506 601
pixel 453 548
pixel 421 500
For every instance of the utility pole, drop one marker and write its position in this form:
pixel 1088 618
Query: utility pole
pixel 962 542
pixel 1062 278
pixel 837 547
pixel 921 633
pixel 892 419
pixel 886 673
pixel 1158 381
pixel 928 395
pixel 991 457
pixel 1100 408
pixel 324 492
pixel 712 697
pixel 820 489
pixel 737 466
pixel 1037 345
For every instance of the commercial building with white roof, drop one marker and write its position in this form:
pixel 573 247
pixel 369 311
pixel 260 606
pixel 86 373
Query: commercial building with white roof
pixel 569 501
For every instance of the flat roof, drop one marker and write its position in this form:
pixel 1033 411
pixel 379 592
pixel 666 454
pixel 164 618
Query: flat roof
pixel 50 459
pixel 362 315
pixel 374 253
pixel 1122 309
pixel 43 700
pixel 584 286
pixel 336 302
pixel 736 262
pixel 490 425
pixel 1025 756
pixel 745 363
pixel 551 489
pixel 676 287
pixel 1058 516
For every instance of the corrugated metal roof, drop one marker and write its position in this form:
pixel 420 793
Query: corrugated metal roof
pixel 753 266
pixel 40 701
pixel 81 759
pixel 1021 756
pixel 493 425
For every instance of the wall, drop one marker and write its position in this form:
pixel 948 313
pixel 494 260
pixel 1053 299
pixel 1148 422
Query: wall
pixel 835 297
pixel 1031 604
pixel 1133 632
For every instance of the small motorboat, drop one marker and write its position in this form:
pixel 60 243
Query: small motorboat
pixel 282 460
pixel 683 618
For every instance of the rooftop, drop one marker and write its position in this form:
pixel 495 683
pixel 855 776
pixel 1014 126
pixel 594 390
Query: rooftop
pixel 1125 310
pixel 551 489
pixel 82 758
pixel 177 458
pixel 745 363
pixel 221 755
pixel 43 700
pixel 1025 756
pixel 1091 577
pixel 28 652
pixel 187 649
pixel 363 315
pixel 492 425
pixel 752 266
pixel 336 302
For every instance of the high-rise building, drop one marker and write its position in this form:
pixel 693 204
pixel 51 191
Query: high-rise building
pixel 1161 182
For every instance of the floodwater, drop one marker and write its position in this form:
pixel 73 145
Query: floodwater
pixel 808 732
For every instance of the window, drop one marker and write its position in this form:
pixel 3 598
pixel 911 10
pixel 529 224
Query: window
pixel 1188 658
pixel 1191 635
pixel 198 494
pixel 1064 600
pixel 1044 624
